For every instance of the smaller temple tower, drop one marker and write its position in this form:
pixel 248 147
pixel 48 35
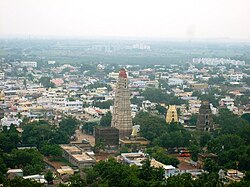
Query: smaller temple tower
pixel 171 115
pixel 205 118
pixel 2 96
pixel 1 113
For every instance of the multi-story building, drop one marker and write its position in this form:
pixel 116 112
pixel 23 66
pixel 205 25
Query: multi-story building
pixel 77 157
pixel 236 77
pixel 175 82
pixel 2 75
pixel 28 64
pixel 228 103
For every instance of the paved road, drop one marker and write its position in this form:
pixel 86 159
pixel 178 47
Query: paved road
pixel 80 136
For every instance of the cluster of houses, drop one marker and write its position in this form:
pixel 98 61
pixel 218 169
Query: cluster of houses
pixel 76 92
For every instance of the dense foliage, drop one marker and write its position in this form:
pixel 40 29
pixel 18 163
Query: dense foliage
pixel 88 127
pixel 20 182
pixel 46 82
pixel 38 133
pixel 30 160
pixel 160 155
pixel 155 129
pixel 159 96
pixel 41 135
pixel 106 120
pixel 112 173
pixel 103 104
pixel 9 139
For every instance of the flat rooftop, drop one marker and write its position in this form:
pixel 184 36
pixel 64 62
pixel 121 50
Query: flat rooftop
pixel 70 148
pixel 82 157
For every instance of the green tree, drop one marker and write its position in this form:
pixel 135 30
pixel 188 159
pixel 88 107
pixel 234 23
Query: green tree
pixel 229 122
pixel 216 80
pixel 3 168
pixel 194 150
pixel 149 173
pixel 68 125
pixel 106 120
pixel 30 160
pixel 205 137
pixel 46 82
pixel 224 143
pixel 51 150
pixel 36 133
pixel 193 120
pixel 49 177
pixel 77 181
pixel 159 96
pixel 20 182
pixel 184 180
pixel 174 136
pixel 246 117
pixel 160 155
pixel 150 126
pixel 9 139
pixel 88 127
pixel 161 109
pixel 210 165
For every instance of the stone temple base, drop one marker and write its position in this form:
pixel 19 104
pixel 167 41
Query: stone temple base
pixel 124 133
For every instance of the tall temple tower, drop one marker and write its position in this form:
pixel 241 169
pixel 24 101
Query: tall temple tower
pixel 2 98
pixel 205 118
pixel 121 118
pixel 171 115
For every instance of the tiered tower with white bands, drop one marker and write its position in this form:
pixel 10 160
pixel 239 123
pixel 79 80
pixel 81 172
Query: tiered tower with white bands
pixel 121 118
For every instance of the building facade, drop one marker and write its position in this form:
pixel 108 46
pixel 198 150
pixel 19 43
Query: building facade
pixel 109 136
pixel 76 156
pixel 171 114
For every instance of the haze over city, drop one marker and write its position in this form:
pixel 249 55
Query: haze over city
pixel 171 19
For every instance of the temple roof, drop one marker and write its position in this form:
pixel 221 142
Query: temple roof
pixel 122 73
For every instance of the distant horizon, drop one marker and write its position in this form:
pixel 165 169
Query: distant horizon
pixel 125 38
pixel 189 20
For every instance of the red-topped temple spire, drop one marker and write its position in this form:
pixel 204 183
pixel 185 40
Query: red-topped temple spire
pixel 122 73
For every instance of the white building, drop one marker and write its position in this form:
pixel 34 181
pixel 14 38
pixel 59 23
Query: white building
pixel 175 81
pixel 218 61
pixel 228 103
pixel 51 62
pixel 8 121
pixel 148 105
pixel 32 64
pixel 113 75
pixel 2 75
pixel 169 170
pixel 138 158
pixel 236 77
pixel 38 178
pixel 77 105
pixel 134 108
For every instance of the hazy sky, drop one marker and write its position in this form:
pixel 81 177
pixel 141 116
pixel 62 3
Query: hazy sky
pixel 127 18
